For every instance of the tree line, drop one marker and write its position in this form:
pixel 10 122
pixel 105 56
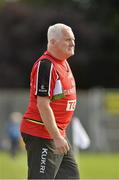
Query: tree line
pixel 23 38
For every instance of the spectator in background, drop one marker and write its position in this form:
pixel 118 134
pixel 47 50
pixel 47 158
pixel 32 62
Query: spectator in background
pixel 13 132
pixel 78 136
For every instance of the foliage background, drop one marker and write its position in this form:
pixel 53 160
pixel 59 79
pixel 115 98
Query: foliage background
pixel 23 31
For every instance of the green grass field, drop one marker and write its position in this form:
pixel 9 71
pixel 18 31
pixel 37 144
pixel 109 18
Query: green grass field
pixel 92 166
pixel 99 166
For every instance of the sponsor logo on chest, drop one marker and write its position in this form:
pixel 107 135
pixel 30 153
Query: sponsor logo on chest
pixel 71 104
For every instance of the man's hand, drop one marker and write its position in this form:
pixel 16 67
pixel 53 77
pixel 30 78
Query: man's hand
pixel 61 144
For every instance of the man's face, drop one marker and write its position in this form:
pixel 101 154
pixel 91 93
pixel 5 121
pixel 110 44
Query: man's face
pixel 65 44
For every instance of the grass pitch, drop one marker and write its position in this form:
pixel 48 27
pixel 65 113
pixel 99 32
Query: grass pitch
pixel 13 168
pixel 99 166
pixel 92 166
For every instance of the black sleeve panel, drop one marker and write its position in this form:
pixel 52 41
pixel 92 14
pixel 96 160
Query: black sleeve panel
pixel 43 78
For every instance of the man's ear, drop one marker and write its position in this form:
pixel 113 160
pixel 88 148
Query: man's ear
pixel 52 41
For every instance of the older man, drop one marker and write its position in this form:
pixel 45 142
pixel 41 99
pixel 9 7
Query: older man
pixel 51 106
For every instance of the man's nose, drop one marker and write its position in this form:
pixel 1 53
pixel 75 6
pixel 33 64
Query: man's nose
pixel 72 43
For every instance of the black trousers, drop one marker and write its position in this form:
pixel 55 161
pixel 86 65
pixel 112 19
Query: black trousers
pixel 44 164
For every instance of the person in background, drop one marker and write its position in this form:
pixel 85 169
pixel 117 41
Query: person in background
pixel 51 106
pixel 78 136
pixel 13 132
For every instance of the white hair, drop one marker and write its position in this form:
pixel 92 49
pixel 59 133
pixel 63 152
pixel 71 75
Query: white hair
pixel 55 31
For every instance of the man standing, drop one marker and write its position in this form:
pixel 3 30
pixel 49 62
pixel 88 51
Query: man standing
pixel 51 106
